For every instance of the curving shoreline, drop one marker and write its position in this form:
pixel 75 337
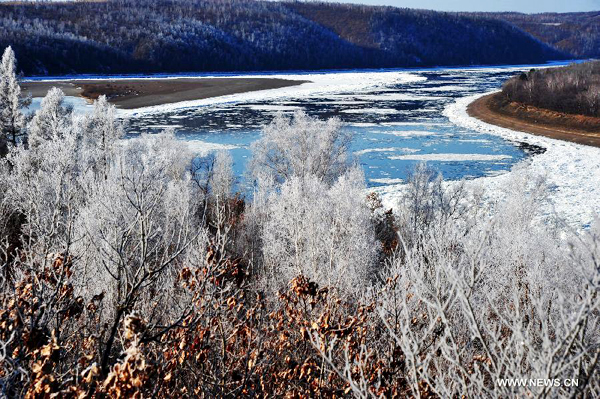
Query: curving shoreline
pixel 138 93
pixel 571 170
pixel 574 128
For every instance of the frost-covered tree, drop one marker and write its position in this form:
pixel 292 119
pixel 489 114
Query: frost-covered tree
pixel 478 304
pixel 219 203
pixel 301 146
pixel 45 191
pixel 46 188
pixel 221 176
pixel 324 233
pixel 101 130
pixel 106 248
pixel 309 212
pixel 12 101
pixel 136 226
pixel 426 205
pixel 52 120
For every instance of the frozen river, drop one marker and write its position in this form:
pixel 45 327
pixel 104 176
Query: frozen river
pixel 396 116
pixel 399 118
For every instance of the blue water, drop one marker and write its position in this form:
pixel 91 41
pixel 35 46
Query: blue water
pixel 390 123
pixel 397 120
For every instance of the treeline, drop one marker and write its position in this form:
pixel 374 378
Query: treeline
pixel 130 269
pixel 574 89
pixel 140 36
pixel 574 33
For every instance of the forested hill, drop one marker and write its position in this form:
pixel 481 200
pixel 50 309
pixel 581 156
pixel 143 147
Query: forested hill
pixel 575 33
pixel 128 36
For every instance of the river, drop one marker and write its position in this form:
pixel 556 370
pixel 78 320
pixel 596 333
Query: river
pixel 396 117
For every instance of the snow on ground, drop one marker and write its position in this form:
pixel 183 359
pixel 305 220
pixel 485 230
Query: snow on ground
pixel 572 170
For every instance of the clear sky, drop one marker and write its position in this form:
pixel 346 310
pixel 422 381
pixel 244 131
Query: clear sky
pixel 527 6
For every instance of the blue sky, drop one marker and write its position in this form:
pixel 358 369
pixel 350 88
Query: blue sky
pixel 527 6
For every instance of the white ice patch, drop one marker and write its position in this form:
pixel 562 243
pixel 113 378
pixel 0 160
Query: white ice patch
pixel 377 111
pixel 342 102
pixel 387 180
pixel 446 88
pixel 424 123
pixel 163 126
pixel 396 97
pixel 363 124
pixel 388 149
pixel 273 107
pixel 392 124
pixel 409 133
pixel 476 141
pixel 204 148
pixel 450 157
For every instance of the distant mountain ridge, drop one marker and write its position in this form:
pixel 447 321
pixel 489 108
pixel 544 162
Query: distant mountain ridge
pixel 143 36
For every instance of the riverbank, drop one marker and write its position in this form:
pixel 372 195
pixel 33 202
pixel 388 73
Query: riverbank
pixel 138 93
pixel 574 128
pixel 570 170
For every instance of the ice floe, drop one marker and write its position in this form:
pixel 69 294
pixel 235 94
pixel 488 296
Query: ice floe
pixel 378 111
pixel 451 157
pixel 388 149
pixel 267 107
pixel 385 180
pixel 408 133
pixel 199 147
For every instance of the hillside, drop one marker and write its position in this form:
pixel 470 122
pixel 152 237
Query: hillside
pixel 575 33
pixel 574 89
pixel 236 35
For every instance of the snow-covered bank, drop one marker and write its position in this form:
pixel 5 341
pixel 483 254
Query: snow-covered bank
pixel 318 84
pixel 572 170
